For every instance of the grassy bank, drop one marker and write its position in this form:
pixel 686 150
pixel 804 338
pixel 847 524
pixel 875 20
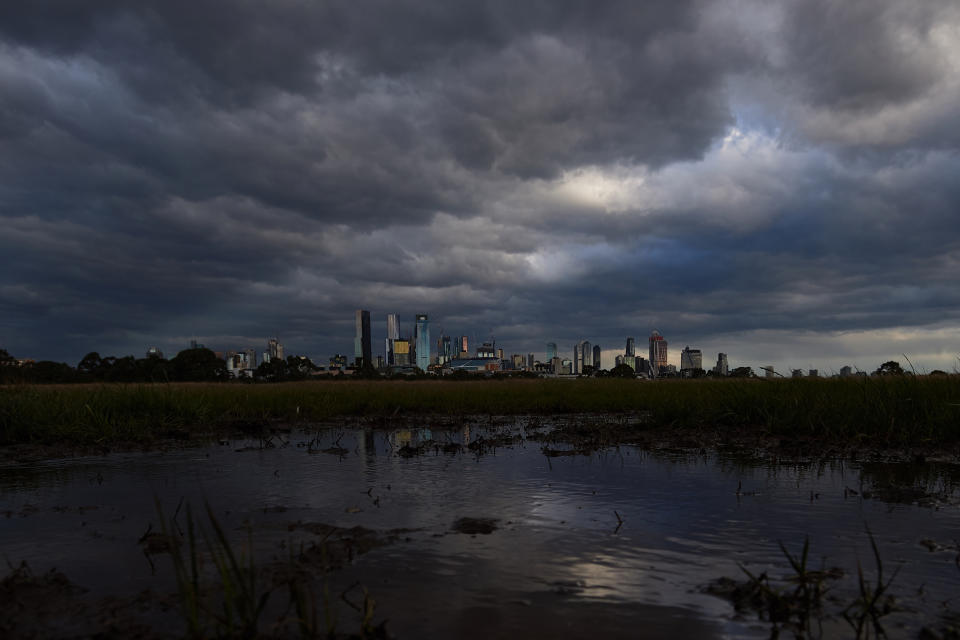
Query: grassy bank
pixel 885 411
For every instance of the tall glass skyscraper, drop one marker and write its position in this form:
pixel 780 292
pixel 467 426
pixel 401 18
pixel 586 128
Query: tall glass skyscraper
pixel 551 351
pixel 631 350
pixel 362 351
pixel 421 337
pixel 393 333
pixel 658 352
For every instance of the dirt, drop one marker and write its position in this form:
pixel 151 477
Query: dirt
pixel 474 526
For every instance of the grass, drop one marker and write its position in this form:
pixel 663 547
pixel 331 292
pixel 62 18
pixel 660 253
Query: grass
pixel 892 411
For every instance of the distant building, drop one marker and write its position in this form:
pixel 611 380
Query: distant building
pixel 723 367
pixel 362 352
pixel 658 352
pixel 393 333
pixel 551 351
pixel 196 345
pixel 846 372
pixel 381 363
pixel 499 354
pixel 421 337
pixel 596 356
pixel 813 373
pixel 619 360
pixel 556 365
pixel 401 352
pixel 274 350
pixel 641 365
pixel 154 352
pixel 486 350
pixel 691 359
pixel 530 362
pixel 338 361
pixel 463 345
pixel 796 373
pixel 631 349
pixel 768 371
pixel 518 361
pixel 444 350
pixel 566 367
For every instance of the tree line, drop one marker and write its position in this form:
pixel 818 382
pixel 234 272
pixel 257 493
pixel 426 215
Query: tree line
pixel 190 365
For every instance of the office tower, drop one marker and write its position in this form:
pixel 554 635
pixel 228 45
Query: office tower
pixel 274 349
pixel 464 345
pixel 586 355
pixel 575 361
pixel 641 365
pixel 551 351
pixel 658 352
pixel 619 360
pixel 596 356
pixel 499 353
pixel 814 373
pixel 517 361
pixel 444 350
pixel 381 362
pixel 401 352
pixel 338 361
pixel 362 353
pixel 486 350
pixel 251 355
pixel 691 359
pixel 421 339
pixel 722 368
pixel 846 372
pixel 631 349
pixel 556 365
pixel 530 361
pixel 796 373
pixel 393 333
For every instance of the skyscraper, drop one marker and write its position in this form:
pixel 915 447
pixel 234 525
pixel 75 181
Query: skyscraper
pixel 631 349
pixel 444 350
pixel 658 352
pixel 722 368
pixel 551 351
pixel 393 333
pixel 691 359
pixel 421 337
pixel 596 356
pixel 362 352
pixel 274 349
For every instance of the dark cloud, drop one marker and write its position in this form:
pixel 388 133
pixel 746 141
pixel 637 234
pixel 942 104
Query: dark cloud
pixel 537 171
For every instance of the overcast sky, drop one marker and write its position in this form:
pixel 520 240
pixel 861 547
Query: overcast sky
pixel 776 180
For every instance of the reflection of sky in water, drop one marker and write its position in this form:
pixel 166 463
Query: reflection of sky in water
pixel 683 522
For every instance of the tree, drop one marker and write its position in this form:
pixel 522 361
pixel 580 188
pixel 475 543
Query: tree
pixel 622 371
pixel 588 370
pixel 6 360
pixel 742 372
pixel 90 364
pixel 889 368
pixel 198 365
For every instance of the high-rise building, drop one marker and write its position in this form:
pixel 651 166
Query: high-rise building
pixel 722 368
pixel 530 362
pixel 401 352
pixel 274 349
pixel 846 372
pixel 813 373
pixel 444 350
pixel 641 365
pixel 499 353
pixel 393 333
pixel 421 338
pixel 631 349
pixel 658 352
pixel 551 351
pixel 464 345
pixel 691 359
pixel 596 356
pixel 362 352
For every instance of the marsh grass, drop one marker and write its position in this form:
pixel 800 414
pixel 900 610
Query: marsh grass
pixel 231 601
pixel 889 411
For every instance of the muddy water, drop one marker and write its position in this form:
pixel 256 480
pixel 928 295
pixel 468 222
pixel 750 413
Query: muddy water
pixel 604 544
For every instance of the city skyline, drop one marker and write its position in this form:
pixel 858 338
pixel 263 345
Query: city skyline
pixel 732 173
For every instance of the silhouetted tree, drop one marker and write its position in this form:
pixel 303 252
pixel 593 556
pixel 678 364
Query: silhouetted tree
pixel 623 371
pixel 889 368
pixel 198 365
pixel 742 372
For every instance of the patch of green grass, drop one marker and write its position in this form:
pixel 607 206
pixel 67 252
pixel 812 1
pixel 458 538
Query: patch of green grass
pixel 892 411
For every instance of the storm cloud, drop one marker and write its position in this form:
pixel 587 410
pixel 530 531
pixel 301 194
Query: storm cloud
pixel 758 178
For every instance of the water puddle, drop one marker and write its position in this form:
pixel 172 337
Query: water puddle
pixel 452 538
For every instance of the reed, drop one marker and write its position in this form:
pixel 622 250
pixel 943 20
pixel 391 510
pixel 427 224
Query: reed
pixel 890 411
